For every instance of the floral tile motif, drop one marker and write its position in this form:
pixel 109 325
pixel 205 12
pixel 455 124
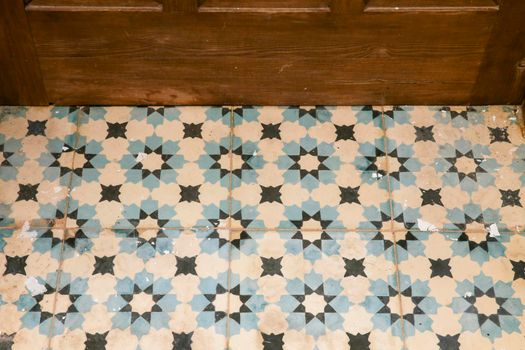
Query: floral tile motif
pixel 36 157
pixel 151 289
pixel 324 290
pixel 151 167
pixel 309 168
pixel 459 168
pixel 462 290
pixel 29 261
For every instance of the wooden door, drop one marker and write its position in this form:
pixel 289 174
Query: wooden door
pixel 262 51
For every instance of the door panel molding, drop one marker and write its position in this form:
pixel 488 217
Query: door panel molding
pixel 431 5
pixel 95 5
pixel 265 6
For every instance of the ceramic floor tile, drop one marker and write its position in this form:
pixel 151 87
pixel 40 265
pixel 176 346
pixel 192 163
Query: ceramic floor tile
pixel 151 167
pixel 309 168
pixel 29 261
pixel 456 167
pixel 36 156
pixel 155 289
pixel 314 291
pixel 462 290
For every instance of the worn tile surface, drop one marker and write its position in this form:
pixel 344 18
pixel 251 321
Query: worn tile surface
pixel 309 168
pixel 151 167
pixel 155 289
pixel 457 167
pixel 462 290
pixel 262 228
pixel 314 291
pixel 29 261
pixel 36 157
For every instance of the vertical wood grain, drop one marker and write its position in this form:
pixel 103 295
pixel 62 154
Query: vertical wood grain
pixel 501 78
pixel 20 77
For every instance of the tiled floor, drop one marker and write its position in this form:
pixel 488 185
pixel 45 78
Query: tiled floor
pixel 262 228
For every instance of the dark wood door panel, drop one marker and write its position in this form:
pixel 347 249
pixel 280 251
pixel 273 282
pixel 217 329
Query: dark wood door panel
pixel 118 34
pixel 20 78
pixel 193 58
pixel 125 83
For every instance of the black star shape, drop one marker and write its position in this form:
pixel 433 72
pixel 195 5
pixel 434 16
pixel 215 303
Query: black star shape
pixel 271 194
pixel 27 192
pixel 271 266
pixel 96 341
pixel 271 131
pixel 189 193
pixel 345 132
pixel 519 269
pixel 499 135
pixel 15 265
pixel 354 267
pixel 448 342
pixel 110 193
pixel 349 195
pixel 303 172
pixel 7 341
pixel 104 265
pixel 359 341
pixel 272 341
pixel 182 341
pixel 117 130
pixel 193 130
pixel 440 267
pixel 186 265
pixel 36 127
pixel 510 198
pixel 431 196
pixel 424 133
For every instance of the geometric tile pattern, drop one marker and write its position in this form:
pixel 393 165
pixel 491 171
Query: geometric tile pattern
pixel 151 167
pixel 36 157
pixel 153 289
pixel 462 290
pixel 261 227
pixel 461 168
pixel 309 168
pixel 28 274
pixel 314 290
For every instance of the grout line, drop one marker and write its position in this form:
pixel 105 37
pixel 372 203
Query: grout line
pixel 64 229
pixel 230 213
pixel 387 168
pixel 233 228
pixel 230 170
pixel 398 282
pixel 69 187
pixel 228 302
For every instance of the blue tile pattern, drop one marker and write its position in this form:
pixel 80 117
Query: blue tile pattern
pixel 262 227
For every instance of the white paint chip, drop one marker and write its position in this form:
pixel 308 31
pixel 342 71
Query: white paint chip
pixel 426 226
pixel 26 231
pixel 34 286
pixel 141 156
pixel 467 295
pixel 493 231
